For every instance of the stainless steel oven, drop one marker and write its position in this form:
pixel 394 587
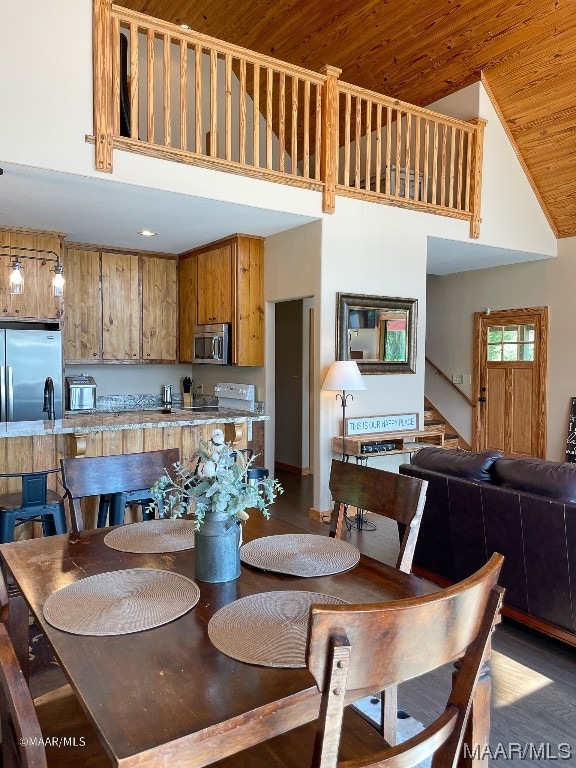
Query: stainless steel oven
pixel 211 344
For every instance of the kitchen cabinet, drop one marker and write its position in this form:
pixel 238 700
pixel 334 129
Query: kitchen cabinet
pixel 224 281
pixel 82 306
pixel 159 309
pixel 38 300
pixel 215 270
pixel 120 306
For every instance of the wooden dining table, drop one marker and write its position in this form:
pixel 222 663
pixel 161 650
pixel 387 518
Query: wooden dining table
pixel 166 696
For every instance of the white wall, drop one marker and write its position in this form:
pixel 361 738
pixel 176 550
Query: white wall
pixel 132 379
pixel 453 299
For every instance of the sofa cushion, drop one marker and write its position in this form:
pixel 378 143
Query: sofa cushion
pixel 553 479
pixel 466 464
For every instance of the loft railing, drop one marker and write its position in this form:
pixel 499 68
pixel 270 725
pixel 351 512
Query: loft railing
pixel 172 93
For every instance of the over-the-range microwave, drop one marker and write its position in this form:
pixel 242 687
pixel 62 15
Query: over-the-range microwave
pixel 211 344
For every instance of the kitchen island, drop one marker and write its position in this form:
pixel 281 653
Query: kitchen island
pixel 36 445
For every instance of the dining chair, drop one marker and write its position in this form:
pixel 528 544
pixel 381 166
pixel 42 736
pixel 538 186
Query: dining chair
pixel 34 501
pixel 383 493
pixel 118 480
pixel 345 656
pixel 55 719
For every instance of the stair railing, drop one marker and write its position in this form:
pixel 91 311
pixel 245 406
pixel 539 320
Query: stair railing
pixel 446 378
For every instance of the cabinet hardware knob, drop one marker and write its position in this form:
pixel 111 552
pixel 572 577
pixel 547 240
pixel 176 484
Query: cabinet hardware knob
pixel 17 311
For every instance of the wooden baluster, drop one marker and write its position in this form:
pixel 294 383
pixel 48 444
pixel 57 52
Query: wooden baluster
pixel 319 133
pixel 167 92
pixel 388 149
pixel 330 137
pixel 468 169
pixel 256 117
pixel 347 121
pixel 476 175
pixel 306 151
pixel 417 158
pixel 198 97
pixel 357 139
pixel 369 105
pixel 444 129
pixel 102 20
pixel 269 96
pixel 396 191
pixel 243 111
pixel 282 121
pixel 116 76
pixel 150 84
pixel 407 156
pixel 183 91
pixel 378 146
pixel 294 126
pixel 426 160
pixel 213 103
pixel 460 167
pixel 228 107
pixel 452 166
pixel 435 164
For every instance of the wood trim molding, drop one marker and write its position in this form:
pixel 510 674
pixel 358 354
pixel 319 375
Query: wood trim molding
pixel 545 211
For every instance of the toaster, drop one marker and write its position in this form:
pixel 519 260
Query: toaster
pixel 80 393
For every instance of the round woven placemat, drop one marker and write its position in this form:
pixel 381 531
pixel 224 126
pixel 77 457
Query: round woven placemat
pixel 153 536
pixel 268 629
pixel 300 554
pixel 120 602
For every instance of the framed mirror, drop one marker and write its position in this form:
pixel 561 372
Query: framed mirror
pixel 379 332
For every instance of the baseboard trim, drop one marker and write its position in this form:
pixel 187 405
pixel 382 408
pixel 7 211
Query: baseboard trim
pixel 318 515
pixel 293 470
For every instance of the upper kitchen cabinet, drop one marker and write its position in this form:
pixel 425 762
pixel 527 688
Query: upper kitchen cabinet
pixel 37 300
pixel 159 309
pixel 224 283
pixel 215 270
pixel 120 306
pixel 82 306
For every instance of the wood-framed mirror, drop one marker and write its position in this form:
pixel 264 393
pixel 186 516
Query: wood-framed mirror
pixel 379 332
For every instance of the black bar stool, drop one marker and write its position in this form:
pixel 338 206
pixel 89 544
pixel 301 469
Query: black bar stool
pixel 35 502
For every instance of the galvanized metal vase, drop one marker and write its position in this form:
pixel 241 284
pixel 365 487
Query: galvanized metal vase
pixel 217 548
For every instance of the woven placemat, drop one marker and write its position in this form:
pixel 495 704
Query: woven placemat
pixel 120 602
pixel 268 629
pixel 153 536
pixel 300 554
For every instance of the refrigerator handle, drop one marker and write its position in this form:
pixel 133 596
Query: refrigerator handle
pixel 3 416
pixel 9 395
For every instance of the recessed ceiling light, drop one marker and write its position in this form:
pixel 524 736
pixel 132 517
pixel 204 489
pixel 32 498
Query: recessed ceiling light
pixel 147 233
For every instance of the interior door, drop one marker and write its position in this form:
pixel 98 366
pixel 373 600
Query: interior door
pixel 510 378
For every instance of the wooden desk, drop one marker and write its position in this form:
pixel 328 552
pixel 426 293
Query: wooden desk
pixel 408 441
pixel 167 697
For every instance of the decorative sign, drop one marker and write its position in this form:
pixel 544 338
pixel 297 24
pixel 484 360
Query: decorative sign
pixel 369 425
pixel 571 441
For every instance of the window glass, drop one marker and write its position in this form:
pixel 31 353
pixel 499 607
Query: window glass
pixel 508 343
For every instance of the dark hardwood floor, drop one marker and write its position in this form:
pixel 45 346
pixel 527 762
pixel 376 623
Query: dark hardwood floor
pixel 533 677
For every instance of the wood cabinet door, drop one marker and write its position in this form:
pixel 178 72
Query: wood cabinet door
pixel 187 301
pixel 159 313
pixel 215 285
pixel 82 306
pixel 120 307
pixel 248 328
pixel 37 299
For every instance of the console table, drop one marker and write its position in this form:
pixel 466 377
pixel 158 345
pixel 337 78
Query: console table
pixel 408 441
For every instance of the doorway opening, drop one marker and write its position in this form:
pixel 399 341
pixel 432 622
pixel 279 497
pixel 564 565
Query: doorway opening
pixel 294 386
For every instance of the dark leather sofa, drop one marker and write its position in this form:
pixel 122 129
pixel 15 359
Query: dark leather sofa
pixel 480 503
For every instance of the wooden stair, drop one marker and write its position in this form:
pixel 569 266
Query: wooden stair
pixel 433 417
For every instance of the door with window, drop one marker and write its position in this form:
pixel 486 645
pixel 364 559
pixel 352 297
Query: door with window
pixel 510 379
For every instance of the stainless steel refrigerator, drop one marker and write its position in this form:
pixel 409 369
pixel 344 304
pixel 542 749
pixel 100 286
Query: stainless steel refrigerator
pixel 27 359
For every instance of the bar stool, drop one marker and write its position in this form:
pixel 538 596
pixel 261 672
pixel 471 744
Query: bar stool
pixel 35 502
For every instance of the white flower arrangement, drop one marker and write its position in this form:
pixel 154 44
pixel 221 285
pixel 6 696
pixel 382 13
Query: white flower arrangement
pixel 219 483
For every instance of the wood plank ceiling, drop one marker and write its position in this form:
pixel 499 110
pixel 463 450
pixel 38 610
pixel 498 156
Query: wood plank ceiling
pixel 422 50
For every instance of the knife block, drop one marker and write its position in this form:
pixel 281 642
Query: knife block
pixel 186 398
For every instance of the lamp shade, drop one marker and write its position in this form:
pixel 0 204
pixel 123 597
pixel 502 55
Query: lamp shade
pixel 343 375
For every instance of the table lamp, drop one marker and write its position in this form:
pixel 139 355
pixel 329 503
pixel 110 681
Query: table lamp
pixel 342 376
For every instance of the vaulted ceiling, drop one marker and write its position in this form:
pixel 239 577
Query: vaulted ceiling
pixel 422 50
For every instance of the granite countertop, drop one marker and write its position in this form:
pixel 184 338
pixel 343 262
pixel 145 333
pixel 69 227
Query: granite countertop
pixel 98 421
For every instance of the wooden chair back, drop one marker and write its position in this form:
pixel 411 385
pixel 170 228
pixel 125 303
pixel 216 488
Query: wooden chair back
pixel 381 492
pixel 104 475
pixel 354 650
